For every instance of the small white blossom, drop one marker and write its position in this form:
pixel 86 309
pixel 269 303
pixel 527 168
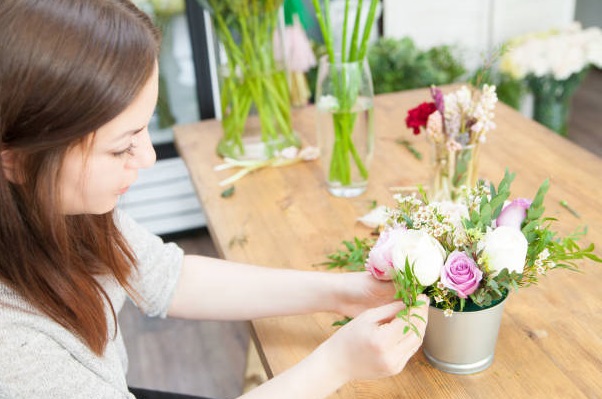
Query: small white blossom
pixel 448 313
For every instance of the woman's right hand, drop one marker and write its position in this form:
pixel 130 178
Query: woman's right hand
pixel 373 345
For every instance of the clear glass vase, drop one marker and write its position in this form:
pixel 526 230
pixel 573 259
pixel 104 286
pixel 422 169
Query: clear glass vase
pixel 255 103
pixel 552 113
pixel 345 125
pixel 453 167
pixel 552 99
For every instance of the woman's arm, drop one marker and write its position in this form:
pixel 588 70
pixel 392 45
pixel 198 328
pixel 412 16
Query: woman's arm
pixel 210 288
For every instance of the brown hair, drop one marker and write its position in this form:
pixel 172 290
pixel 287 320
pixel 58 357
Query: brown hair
pixel 67 67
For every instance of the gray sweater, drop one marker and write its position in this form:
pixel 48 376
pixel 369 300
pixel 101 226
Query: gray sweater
pixel 41 359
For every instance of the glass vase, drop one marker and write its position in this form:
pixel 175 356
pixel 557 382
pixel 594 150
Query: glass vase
pixel 254 93
pixel 552 98
pixel 453 167
pixel 552 112
pixel 345 125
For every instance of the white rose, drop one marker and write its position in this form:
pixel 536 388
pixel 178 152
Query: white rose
pixel 423 252
pixel 506 248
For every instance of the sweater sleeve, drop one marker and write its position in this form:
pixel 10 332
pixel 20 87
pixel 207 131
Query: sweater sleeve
pixel 35 366
pixel 158 267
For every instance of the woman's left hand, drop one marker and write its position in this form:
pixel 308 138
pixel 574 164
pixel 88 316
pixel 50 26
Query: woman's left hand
pixel 359 291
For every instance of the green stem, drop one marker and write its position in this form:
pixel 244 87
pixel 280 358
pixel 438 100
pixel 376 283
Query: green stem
pixel 367 29
pixel 356 28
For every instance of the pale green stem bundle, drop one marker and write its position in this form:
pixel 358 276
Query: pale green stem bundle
pixel 254 78
pixel 344 119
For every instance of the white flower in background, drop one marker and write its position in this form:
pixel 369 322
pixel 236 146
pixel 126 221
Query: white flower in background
pixel 483 112
pixel 505 248
pixel 559 53
pixel 434 127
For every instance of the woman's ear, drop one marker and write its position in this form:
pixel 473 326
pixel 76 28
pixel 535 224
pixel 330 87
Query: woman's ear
pixel 7 159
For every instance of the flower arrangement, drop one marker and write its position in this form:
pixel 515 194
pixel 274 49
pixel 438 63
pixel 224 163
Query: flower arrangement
pixel 342 96
pixel 469 254
pixel 456 124
pixel 253 79
pixel 553 65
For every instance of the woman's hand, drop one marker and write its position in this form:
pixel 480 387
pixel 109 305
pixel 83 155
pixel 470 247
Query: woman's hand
pixel 373 345
pixel 359 291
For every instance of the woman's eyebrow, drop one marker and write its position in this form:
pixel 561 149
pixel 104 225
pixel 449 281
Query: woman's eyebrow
pixel 129 132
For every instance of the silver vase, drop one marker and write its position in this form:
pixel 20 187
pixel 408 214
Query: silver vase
pixel 463 343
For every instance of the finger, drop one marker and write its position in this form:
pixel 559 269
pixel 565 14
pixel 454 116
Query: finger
pixel 383 314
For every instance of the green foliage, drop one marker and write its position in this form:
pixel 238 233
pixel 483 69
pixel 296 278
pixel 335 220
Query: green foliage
pixel 397 64
pixel 407 288
pixel 490 206
pixel 227 193
pixel 353 257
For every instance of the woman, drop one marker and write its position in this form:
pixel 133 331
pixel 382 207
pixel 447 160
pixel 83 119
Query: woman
pixel 78 85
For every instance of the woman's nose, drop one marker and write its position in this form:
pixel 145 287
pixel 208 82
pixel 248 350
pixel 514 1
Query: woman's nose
pixel 144 155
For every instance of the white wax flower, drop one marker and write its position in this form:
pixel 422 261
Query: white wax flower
pixel 505 248
pixel 423 252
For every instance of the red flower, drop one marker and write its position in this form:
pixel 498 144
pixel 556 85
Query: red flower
pixel 418 116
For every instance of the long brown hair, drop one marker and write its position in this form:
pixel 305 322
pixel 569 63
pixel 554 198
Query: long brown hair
pixel 67 67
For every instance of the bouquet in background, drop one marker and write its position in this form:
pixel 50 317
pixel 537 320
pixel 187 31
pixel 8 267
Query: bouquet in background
pixel 469 254
pixel 553 64
pixel 456 124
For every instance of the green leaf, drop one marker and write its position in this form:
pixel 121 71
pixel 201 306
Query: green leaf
pixel 342 322
pixel 419 317
pixel 228 192
pixel 541 193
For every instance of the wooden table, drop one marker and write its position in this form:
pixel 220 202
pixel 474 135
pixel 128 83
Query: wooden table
pixel 550 341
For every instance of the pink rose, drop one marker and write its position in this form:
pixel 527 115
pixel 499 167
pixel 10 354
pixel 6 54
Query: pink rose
pixel 461 274
pixel 380 259
pixel 514 213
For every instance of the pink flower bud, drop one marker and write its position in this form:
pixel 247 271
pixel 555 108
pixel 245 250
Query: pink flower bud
pixel 380 259
pixel 514 213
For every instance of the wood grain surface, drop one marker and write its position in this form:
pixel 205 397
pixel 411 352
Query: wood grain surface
pixel 550 342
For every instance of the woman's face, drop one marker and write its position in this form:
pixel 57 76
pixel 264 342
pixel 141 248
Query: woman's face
pixel 92 179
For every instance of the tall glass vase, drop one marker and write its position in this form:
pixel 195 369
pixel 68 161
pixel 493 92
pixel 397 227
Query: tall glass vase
pixel 345 125
pixel 256 117
pixel 452 169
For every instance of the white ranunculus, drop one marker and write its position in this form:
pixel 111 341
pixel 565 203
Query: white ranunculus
pixel 422 251
pixel 505 248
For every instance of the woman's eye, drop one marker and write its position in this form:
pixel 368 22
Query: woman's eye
pixel 127 151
